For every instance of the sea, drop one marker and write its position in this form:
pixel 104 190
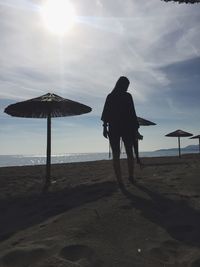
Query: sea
pixel 22 160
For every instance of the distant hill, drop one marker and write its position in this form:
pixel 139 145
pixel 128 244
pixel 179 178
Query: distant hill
pixel 187 148
pixel 192 147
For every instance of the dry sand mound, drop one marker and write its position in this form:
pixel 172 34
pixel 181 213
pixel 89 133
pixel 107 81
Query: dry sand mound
pixel 23 256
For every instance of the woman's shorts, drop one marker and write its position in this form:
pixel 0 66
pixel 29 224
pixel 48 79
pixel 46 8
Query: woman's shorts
pixel 115 135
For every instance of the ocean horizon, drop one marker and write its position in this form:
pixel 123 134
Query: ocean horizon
pixel 24 160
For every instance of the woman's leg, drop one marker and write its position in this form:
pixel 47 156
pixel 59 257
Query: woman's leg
pixel 130 159
pixel 115 146
pixel 135 145
pixel 117 167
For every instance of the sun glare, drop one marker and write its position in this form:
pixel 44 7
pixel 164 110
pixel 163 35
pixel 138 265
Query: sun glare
pixel 58 15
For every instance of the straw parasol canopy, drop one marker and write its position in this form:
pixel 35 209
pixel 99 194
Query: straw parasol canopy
pixel 184 1
pixel 179 134
pixel 47 106
pixel 197 137
pixel 144 122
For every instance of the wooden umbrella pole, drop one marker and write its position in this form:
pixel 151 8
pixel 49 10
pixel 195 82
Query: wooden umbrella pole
pixel 179 146
pixel 109 151
pixel 199 145
pixel 48 160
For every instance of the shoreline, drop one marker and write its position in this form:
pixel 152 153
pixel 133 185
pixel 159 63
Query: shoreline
pixel 123 156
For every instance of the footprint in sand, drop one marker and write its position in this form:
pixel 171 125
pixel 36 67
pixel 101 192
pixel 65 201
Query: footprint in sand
pixel 176 178
pixel 195 196
pixel 15 243
pixel 170 245
pixel 196 263
pixel 126 207
pixel 181 231
pixel 81 254
pixel 42 225
pixel 172 185
pixel 159 254
pixel 167 252
pixel 23 257
pixel 56 262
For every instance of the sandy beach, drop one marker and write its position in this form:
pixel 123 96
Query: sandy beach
pixel 86 220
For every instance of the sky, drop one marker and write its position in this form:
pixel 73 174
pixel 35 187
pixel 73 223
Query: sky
pixel 154 43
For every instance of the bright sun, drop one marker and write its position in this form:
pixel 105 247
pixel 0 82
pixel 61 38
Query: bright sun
pixel 58 15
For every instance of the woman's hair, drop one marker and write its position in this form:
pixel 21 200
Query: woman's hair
pixel 121 85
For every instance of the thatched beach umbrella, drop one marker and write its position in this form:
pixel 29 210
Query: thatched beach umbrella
pixel 179 134
pixel 197 137
pixel 47 106
pixel 144 122
pixel 184 1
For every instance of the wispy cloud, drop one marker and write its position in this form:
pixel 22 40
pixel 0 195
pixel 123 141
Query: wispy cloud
pixel 156 44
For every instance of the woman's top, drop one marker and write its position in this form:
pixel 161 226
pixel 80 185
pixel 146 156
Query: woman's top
pixel 119 112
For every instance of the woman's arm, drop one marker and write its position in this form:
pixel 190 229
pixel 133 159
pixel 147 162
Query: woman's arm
pixel 104 117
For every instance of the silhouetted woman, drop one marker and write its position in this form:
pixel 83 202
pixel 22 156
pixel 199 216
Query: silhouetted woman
pixel 120 121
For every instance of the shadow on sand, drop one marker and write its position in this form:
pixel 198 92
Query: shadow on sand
pixel 176 216
pixel 22 212
pixel 165 163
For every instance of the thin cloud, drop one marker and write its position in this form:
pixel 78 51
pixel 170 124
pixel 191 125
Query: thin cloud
pixel 153 43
